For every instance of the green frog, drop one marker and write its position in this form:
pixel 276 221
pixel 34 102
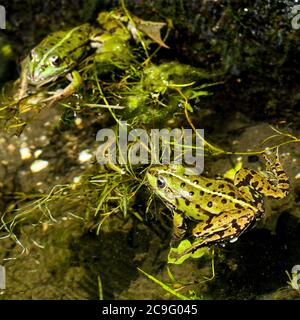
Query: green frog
pixel 55 56
pixel 223 209
pixel 60 53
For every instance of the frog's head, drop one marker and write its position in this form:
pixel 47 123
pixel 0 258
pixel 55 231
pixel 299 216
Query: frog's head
pixel 46 66
pixel 167 183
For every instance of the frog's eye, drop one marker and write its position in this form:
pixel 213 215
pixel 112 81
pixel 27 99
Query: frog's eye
pixel 161 182
pixel 55 61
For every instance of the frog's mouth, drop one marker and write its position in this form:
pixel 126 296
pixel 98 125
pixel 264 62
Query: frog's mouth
pixel 39 82
pixel 42 75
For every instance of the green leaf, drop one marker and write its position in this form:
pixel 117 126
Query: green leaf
pixel 164 286
pixel 196 94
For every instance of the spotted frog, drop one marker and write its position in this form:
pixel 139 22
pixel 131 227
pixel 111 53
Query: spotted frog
pixel 223 209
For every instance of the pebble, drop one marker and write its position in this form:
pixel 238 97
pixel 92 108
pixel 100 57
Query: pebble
pixel 25 153
pixel 37 153
pixel 11 148
pixel 38 165
pixel 85 156
pixel 43 138
pixel 78 121
pixel 77 179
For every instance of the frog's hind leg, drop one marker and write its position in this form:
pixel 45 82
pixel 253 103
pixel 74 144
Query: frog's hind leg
pixel 75 83
pixel 272 184
pixel 227 226
pixel 279 180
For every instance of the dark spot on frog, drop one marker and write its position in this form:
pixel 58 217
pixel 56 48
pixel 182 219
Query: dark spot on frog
pixel 224 201
pixel 238 206
pixel 282 181
pixel 231 194
pixel 234 224
pixel 197 206
pixel 201 193
pixel 187 202
pixel 255 184
pixel 191 193
pixel 209 204
pixel 221 186
pixel 154 173
pixel 182 185
pixel 209 225
pixel 208 185
pixel 196 181
pixel 221 233
pixel 177 201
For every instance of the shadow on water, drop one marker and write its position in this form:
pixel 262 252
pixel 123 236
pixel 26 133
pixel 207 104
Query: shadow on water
pixel 256 264
pixel 105 257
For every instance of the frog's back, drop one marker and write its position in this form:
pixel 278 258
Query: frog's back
pixel 68 42
pixel 209 196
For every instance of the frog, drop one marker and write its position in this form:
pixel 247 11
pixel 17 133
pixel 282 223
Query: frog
pixel 221 208
pixel 60 53
pixel 57 55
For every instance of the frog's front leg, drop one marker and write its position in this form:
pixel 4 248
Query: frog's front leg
pixel 76 82
pixel 179 228
pixel 22 92
pixel 23 86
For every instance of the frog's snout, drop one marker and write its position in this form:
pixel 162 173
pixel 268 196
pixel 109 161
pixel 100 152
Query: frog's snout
pixel 34 76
